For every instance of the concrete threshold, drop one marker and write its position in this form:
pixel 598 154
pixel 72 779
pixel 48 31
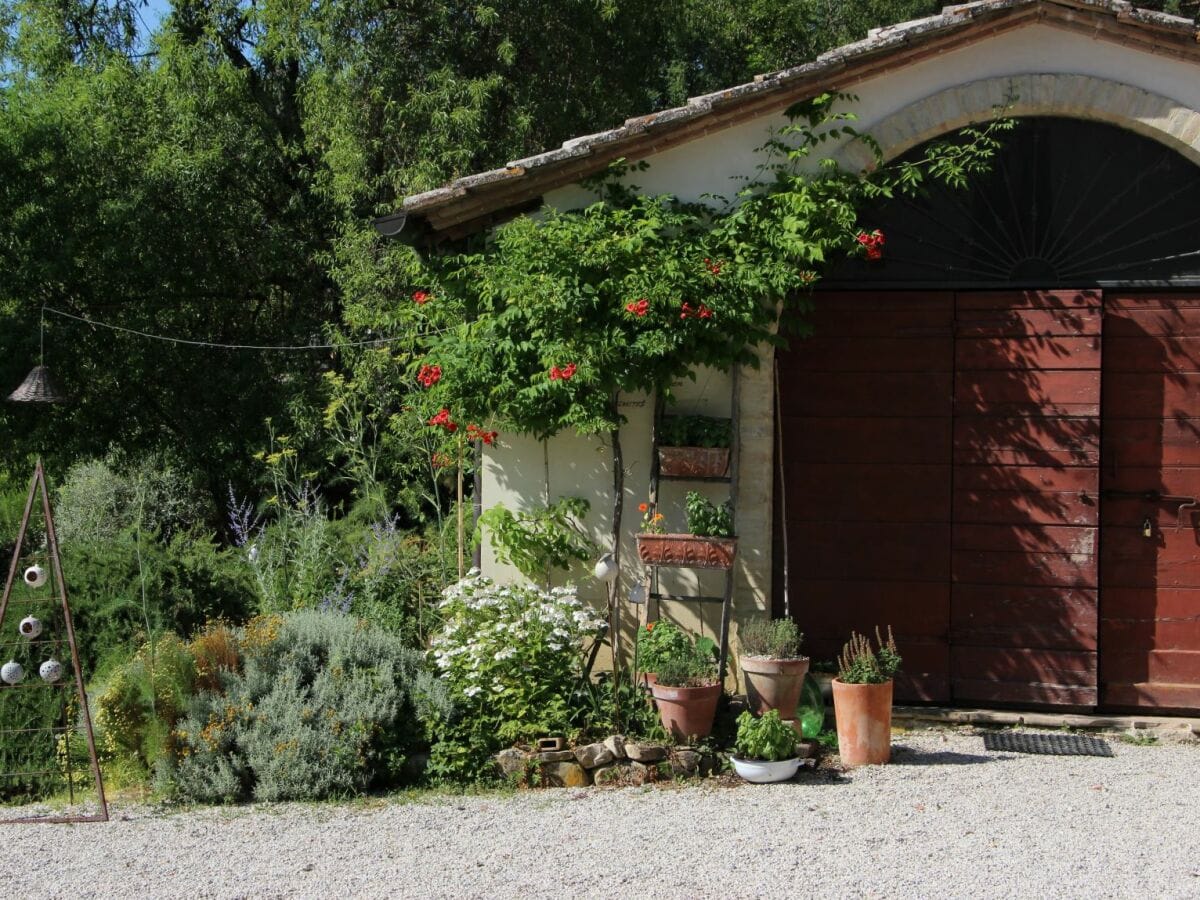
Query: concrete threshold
pixel 918 716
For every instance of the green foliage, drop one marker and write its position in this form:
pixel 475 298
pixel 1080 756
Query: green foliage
pixel 767 738
pixel 395 578
pixel 325 706
pixel 99 498
pixel 695 431
pixel 654 287
pixel 828 739
pixel 141 700
pixel 638 717
pixel 122 592
pixel 693 670
pixel 27 751
pixel 228 167
pixel 860 663
pixel 705 518
pixel 772 639
pixel 674 656
pixel 658 642
pixel 543 539
pixel 512 658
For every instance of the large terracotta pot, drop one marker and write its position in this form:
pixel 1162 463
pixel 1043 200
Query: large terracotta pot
pixel 774 684
pixel 687 551
pixel 864 722
pixel 687 712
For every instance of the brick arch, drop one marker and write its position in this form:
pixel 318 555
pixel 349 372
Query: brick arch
pixel 1072 96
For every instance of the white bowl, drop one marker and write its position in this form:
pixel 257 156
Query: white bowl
pixel 760 771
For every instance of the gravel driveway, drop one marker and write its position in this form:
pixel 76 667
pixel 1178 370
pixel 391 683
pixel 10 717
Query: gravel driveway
pixel 947 818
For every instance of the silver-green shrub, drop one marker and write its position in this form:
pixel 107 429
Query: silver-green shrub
pixel 325 705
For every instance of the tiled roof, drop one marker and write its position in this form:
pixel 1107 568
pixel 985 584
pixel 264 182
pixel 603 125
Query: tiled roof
pixel 470 203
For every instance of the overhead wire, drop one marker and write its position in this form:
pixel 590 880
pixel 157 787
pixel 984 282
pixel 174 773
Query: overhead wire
pixel 369 342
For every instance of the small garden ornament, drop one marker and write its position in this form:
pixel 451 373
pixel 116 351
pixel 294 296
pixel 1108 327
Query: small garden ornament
pixel 12 672
pixel 35 576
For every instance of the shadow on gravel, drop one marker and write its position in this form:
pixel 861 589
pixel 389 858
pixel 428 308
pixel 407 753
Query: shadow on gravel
pixel 905 756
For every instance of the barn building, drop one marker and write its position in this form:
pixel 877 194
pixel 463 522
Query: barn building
pixel 992 440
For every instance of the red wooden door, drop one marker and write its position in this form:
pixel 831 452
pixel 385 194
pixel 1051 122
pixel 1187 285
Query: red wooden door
pixel 1023 621
pixel 1150 545
pixel 866 406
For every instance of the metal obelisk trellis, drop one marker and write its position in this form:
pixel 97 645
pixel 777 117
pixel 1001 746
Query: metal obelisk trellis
pixel 50 555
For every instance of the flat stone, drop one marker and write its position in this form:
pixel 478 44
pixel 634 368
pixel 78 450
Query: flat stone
pixel 606 776
pixel 616 745
pixel 565 774
pixel 645 753
pixel 593 755
pixel 806 749
pixel 621 774
pixel 553 756
pixel 685 763
pixel 511 762
pixel 640 773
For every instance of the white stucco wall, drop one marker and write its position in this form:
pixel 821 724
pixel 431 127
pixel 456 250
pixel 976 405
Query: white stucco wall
pixel 709 164
pixel 513 472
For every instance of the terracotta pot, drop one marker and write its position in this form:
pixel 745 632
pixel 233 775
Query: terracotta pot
pixel 774 684
pixel 864 722
pixel 693 462
pixel 687 712
pixel 687 551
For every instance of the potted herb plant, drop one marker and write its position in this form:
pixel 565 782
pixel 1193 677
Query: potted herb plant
pixel 694 447
pixel 765 749
pixel 772 665
pixel 656 642
pixel 686 690
pixel 862 699
pixel 709 543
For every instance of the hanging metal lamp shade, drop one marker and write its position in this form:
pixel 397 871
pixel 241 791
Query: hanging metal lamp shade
pixel 38 387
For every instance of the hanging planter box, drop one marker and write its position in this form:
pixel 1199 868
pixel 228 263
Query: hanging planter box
pixel 687 551
pixel 693 462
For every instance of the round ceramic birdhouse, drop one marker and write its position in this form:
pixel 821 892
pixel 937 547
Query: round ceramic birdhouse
pixel 12 672
pixel 30 627
pixel 50 671
pixel 35 576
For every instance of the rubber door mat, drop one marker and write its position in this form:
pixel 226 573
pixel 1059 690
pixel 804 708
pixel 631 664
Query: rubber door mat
pixel 1046 744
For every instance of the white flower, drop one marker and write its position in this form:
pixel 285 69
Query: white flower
pixel 472 691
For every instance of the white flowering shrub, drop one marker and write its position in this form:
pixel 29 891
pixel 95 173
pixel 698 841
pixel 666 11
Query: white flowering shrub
pixel 512 657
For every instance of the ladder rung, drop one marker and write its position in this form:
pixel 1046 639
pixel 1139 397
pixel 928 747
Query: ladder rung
pixel 703 598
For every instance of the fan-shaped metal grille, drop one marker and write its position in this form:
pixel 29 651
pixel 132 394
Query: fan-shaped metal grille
pixel 1067 203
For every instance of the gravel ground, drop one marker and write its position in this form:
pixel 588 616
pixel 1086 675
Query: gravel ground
pixel 946 819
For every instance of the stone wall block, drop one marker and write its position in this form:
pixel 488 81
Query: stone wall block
pixel 593 755
pixel 565 774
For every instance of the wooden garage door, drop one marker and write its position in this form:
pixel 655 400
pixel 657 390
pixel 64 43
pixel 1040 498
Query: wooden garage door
pixel 940 463
pixel 1150 545
pixel 1026 498
pixel 866 412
